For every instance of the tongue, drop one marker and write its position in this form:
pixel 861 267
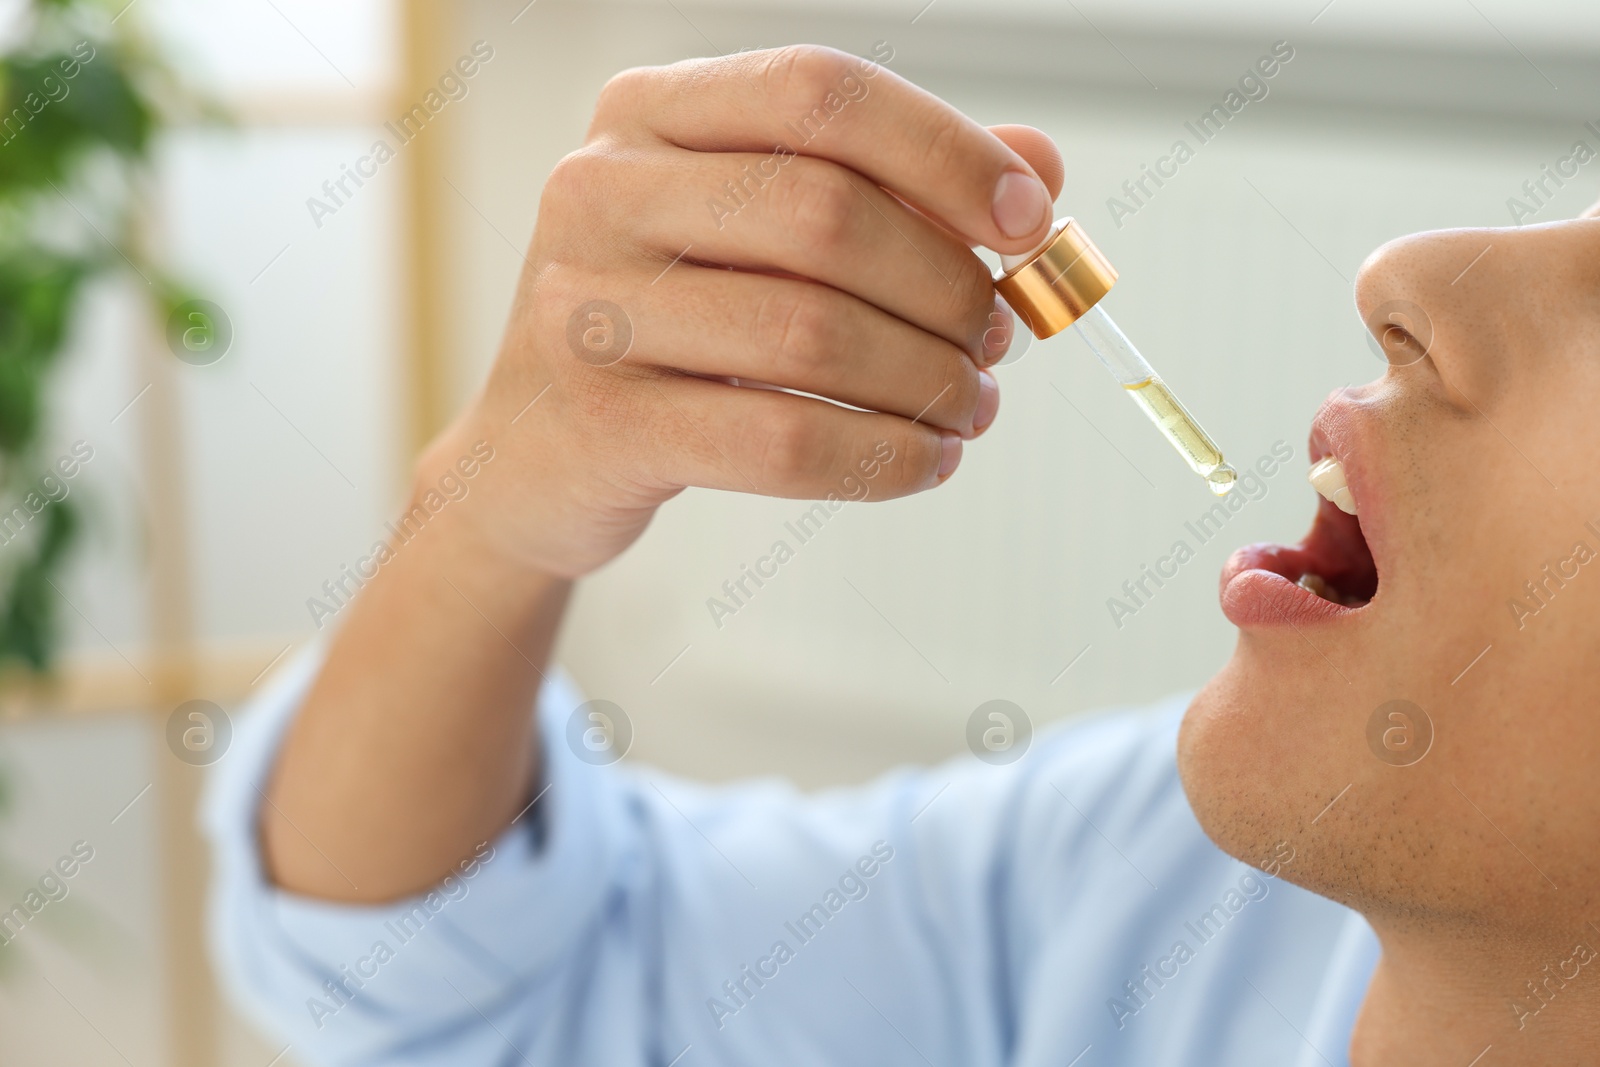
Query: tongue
pixel 1336 551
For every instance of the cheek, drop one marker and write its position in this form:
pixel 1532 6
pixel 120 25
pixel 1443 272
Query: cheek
pixel 1454 508
pixel 1524 732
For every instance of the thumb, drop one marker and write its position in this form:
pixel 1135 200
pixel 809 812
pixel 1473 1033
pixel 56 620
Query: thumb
pixel 1039 150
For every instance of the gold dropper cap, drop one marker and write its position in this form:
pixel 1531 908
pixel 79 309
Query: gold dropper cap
pixel 1054 286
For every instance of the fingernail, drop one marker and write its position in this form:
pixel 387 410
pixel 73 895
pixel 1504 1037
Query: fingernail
pixel 949 455
pixel 1002 328
pixel 1021 204
pixel 988 402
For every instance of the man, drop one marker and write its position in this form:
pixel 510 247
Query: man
pixel 414 869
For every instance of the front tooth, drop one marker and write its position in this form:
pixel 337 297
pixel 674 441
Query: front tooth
pixel 1316 584
pixel 1327 478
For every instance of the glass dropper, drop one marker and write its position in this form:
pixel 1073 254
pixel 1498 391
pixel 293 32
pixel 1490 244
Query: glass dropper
pixel 1061 283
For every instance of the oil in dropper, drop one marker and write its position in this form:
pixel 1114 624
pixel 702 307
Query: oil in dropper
pixel 1117 354
pixel 1186 435
pixel 1060 284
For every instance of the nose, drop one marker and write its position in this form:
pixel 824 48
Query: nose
pixel 1425 295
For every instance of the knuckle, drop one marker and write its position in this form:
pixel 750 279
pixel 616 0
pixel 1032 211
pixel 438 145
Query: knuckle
pixel 962 399
pixel 924 454
pixel 573 324
pixel 621 93
pixel 901 462
pixel 974 286
pixel 942 148
pixel 972 296
pixel 794 449
pixel 949 400
pixel 561 288
pixel 572 179
pixel 559 293
pixel 819 207
pixel 797 329
pixel 801 75
pixel 909 463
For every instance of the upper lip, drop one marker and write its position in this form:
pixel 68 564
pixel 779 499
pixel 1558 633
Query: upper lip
pixel 1340 430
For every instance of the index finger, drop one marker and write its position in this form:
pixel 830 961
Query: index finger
pixel 811 100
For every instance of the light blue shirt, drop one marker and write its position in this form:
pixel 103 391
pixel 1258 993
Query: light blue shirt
pixel 1063 911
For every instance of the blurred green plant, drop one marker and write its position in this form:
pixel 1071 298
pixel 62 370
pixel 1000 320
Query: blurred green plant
pixel 82 96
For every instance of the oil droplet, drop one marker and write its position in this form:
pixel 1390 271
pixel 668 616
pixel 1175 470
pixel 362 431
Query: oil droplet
pixel 1221 479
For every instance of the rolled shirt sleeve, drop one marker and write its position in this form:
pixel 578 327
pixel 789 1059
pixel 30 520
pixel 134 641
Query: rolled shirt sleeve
pixel 404 982
pixel 964 914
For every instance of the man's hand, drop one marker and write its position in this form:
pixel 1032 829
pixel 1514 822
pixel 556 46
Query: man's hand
pixel 796 217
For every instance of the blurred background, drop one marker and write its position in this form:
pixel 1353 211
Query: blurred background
pixel 251 358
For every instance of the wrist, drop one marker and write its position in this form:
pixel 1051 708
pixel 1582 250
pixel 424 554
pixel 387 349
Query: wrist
pixel 456 488
pixel 544 501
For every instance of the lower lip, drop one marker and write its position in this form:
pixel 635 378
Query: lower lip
pixel 1255 597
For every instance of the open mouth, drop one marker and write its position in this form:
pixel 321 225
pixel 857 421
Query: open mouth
pixel 1329 574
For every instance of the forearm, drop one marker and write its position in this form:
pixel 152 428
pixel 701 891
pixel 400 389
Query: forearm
pixel 418 739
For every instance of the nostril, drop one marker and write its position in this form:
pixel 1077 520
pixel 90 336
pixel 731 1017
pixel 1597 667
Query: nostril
pixel 1399 346
pixel 1399 332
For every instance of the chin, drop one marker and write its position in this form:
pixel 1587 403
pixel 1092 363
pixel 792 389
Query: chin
pixel 1220 760
pixel 1260 754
